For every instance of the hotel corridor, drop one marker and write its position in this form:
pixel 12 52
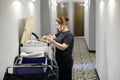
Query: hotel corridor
pixel 84 61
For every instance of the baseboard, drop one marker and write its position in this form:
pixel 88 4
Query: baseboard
pixel 98 78
pixel 91 51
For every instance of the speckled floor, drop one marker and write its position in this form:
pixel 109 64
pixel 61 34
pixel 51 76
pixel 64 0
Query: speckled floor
pixel 84 62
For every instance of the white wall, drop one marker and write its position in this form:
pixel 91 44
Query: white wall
pixel 53 16
pixel 92 17
pixel 12 16
pixel 86 21
pixel 89 20
pixel 45 17
pixel 108 39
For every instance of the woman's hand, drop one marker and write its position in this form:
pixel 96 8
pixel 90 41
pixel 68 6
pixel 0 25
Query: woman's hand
pixel 45 37
pixel 50 39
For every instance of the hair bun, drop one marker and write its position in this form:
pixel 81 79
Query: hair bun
pixel 66 19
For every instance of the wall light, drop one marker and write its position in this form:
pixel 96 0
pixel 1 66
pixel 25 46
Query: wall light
pixel 85 4
pixel 52 3
pixel 112 1
pixel 100 0
pixel 31 7
pixel 62 5
pixel 81 4
pixel 17 6
pixel 33 0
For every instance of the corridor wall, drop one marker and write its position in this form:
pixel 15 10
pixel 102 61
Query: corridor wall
pixel 108 39
pixel 45 17
pixel 90 25
pixel 12 17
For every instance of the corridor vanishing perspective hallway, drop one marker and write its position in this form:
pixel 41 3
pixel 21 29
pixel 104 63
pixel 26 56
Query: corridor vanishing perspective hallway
pixel 84 61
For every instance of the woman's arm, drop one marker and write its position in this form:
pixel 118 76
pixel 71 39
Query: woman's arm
pixel 58 45
pixel 45 37
pixel 53 37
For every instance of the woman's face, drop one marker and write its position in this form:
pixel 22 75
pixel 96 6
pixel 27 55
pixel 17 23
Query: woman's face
pixel 59 27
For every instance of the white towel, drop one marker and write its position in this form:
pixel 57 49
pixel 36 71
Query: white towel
pixel 33 54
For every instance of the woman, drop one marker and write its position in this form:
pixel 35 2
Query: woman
pixel 63 41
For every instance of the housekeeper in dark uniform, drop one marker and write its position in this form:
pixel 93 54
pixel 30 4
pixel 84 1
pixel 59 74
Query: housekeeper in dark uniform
pixel 63 40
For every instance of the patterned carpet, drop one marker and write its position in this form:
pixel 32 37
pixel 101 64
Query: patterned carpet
pixel 84 62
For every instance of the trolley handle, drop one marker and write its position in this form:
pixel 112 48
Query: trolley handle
pixel 28 66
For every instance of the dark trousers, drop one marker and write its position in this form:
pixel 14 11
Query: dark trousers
pixel 65 72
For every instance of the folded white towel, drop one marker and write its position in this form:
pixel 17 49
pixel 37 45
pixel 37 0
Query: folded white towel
pixel 33 54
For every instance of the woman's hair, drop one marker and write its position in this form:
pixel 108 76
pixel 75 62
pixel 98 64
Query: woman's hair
pixel 67 19
pixel 62 20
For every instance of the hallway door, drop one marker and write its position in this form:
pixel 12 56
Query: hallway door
pixel 78 19
pixel 62 9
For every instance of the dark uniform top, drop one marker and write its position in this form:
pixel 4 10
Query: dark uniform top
pixel 64 58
